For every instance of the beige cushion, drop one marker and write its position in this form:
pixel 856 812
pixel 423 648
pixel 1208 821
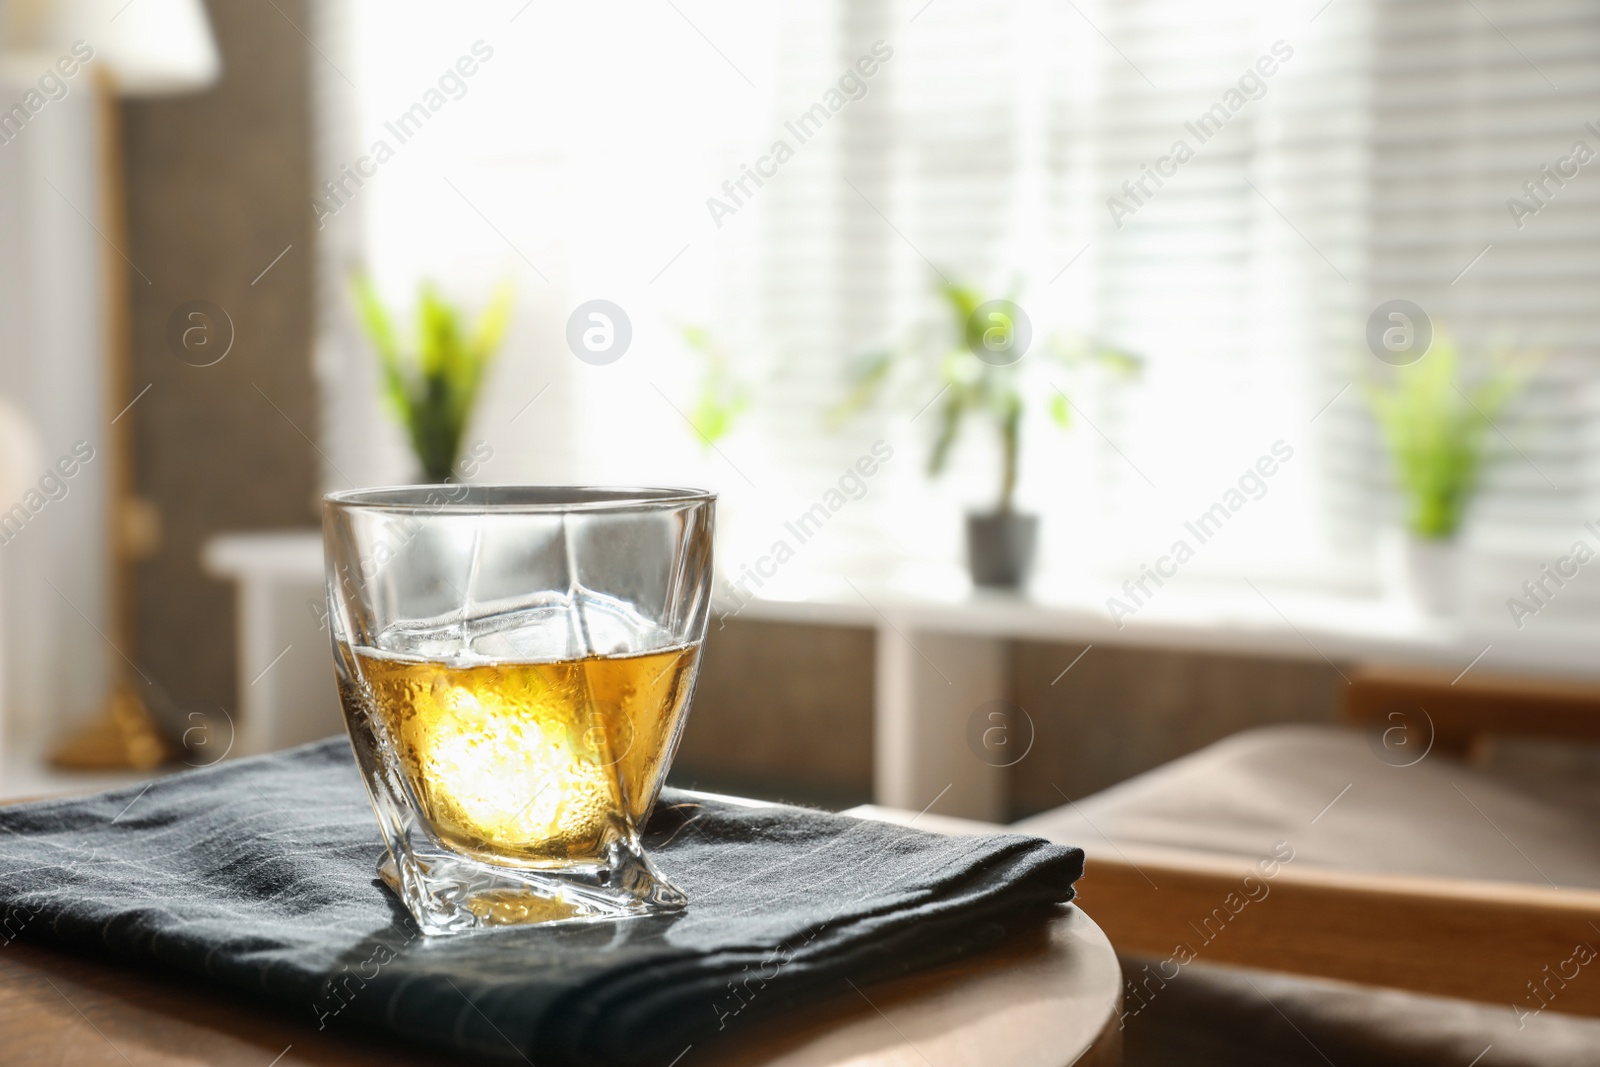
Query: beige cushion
pixel 1438 816
pixel 1523 819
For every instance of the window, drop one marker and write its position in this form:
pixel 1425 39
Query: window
pixel 1332 156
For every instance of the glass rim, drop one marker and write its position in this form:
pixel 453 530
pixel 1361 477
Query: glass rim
pixel 513 498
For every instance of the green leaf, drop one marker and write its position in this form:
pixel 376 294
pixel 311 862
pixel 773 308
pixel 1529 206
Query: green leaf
pixel 379 328
pixel 1061 411
pixel 721 399
pixel 949 426
pixel 1078 351
pixel 962 299
pixel 867 378
pixel 697 337
pixel 1119 360
pixel 492 326
pixel 437 339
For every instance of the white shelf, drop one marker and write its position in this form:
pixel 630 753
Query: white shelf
pixel 1203 618
pixel 1193 616
pixel 292 554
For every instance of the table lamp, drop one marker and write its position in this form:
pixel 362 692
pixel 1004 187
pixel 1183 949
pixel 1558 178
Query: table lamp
pixel 142 48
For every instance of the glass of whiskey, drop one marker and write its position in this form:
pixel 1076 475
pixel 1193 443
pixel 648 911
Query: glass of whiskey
pixel 515 665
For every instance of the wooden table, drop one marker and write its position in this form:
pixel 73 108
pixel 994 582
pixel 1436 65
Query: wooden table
pixel 1047 997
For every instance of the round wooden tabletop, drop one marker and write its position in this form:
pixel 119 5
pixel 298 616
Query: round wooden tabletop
pixel 1045 998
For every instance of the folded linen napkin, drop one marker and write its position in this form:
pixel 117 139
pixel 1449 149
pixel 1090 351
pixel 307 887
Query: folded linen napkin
pixel 259 874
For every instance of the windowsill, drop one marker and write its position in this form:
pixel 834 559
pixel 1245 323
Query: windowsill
pixel 1216 617
pixel 28 775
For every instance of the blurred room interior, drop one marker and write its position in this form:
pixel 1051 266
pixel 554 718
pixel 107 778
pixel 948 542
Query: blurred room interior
pixel 1243 351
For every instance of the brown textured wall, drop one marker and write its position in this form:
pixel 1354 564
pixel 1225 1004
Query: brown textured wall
pixel 1121 711
pixel 785 712
pixel 217 185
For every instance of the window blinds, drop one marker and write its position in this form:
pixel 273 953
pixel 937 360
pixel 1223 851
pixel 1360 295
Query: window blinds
pixel 1332 156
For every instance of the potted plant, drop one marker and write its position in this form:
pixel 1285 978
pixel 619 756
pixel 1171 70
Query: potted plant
pixel 1434 424
pixel 432 385
pixel 975 358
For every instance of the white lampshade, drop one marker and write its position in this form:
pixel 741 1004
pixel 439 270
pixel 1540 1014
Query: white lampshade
pixel 148 47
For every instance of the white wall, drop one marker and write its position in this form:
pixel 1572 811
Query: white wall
pixel 55 664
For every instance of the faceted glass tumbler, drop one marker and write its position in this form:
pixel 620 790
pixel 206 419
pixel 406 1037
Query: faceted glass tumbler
pixel 516 665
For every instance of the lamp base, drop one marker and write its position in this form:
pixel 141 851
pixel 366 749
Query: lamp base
pixel 122 736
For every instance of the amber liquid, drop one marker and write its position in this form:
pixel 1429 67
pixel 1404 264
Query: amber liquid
pixel 532 764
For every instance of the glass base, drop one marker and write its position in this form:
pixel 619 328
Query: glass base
pixel 448 893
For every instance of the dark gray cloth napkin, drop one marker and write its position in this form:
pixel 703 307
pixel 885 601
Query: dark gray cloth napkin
pixel 259 874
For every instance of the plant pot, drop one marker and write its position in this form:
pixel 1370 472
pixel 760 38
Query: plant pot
pixel 1423 572
pixel 1000 548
